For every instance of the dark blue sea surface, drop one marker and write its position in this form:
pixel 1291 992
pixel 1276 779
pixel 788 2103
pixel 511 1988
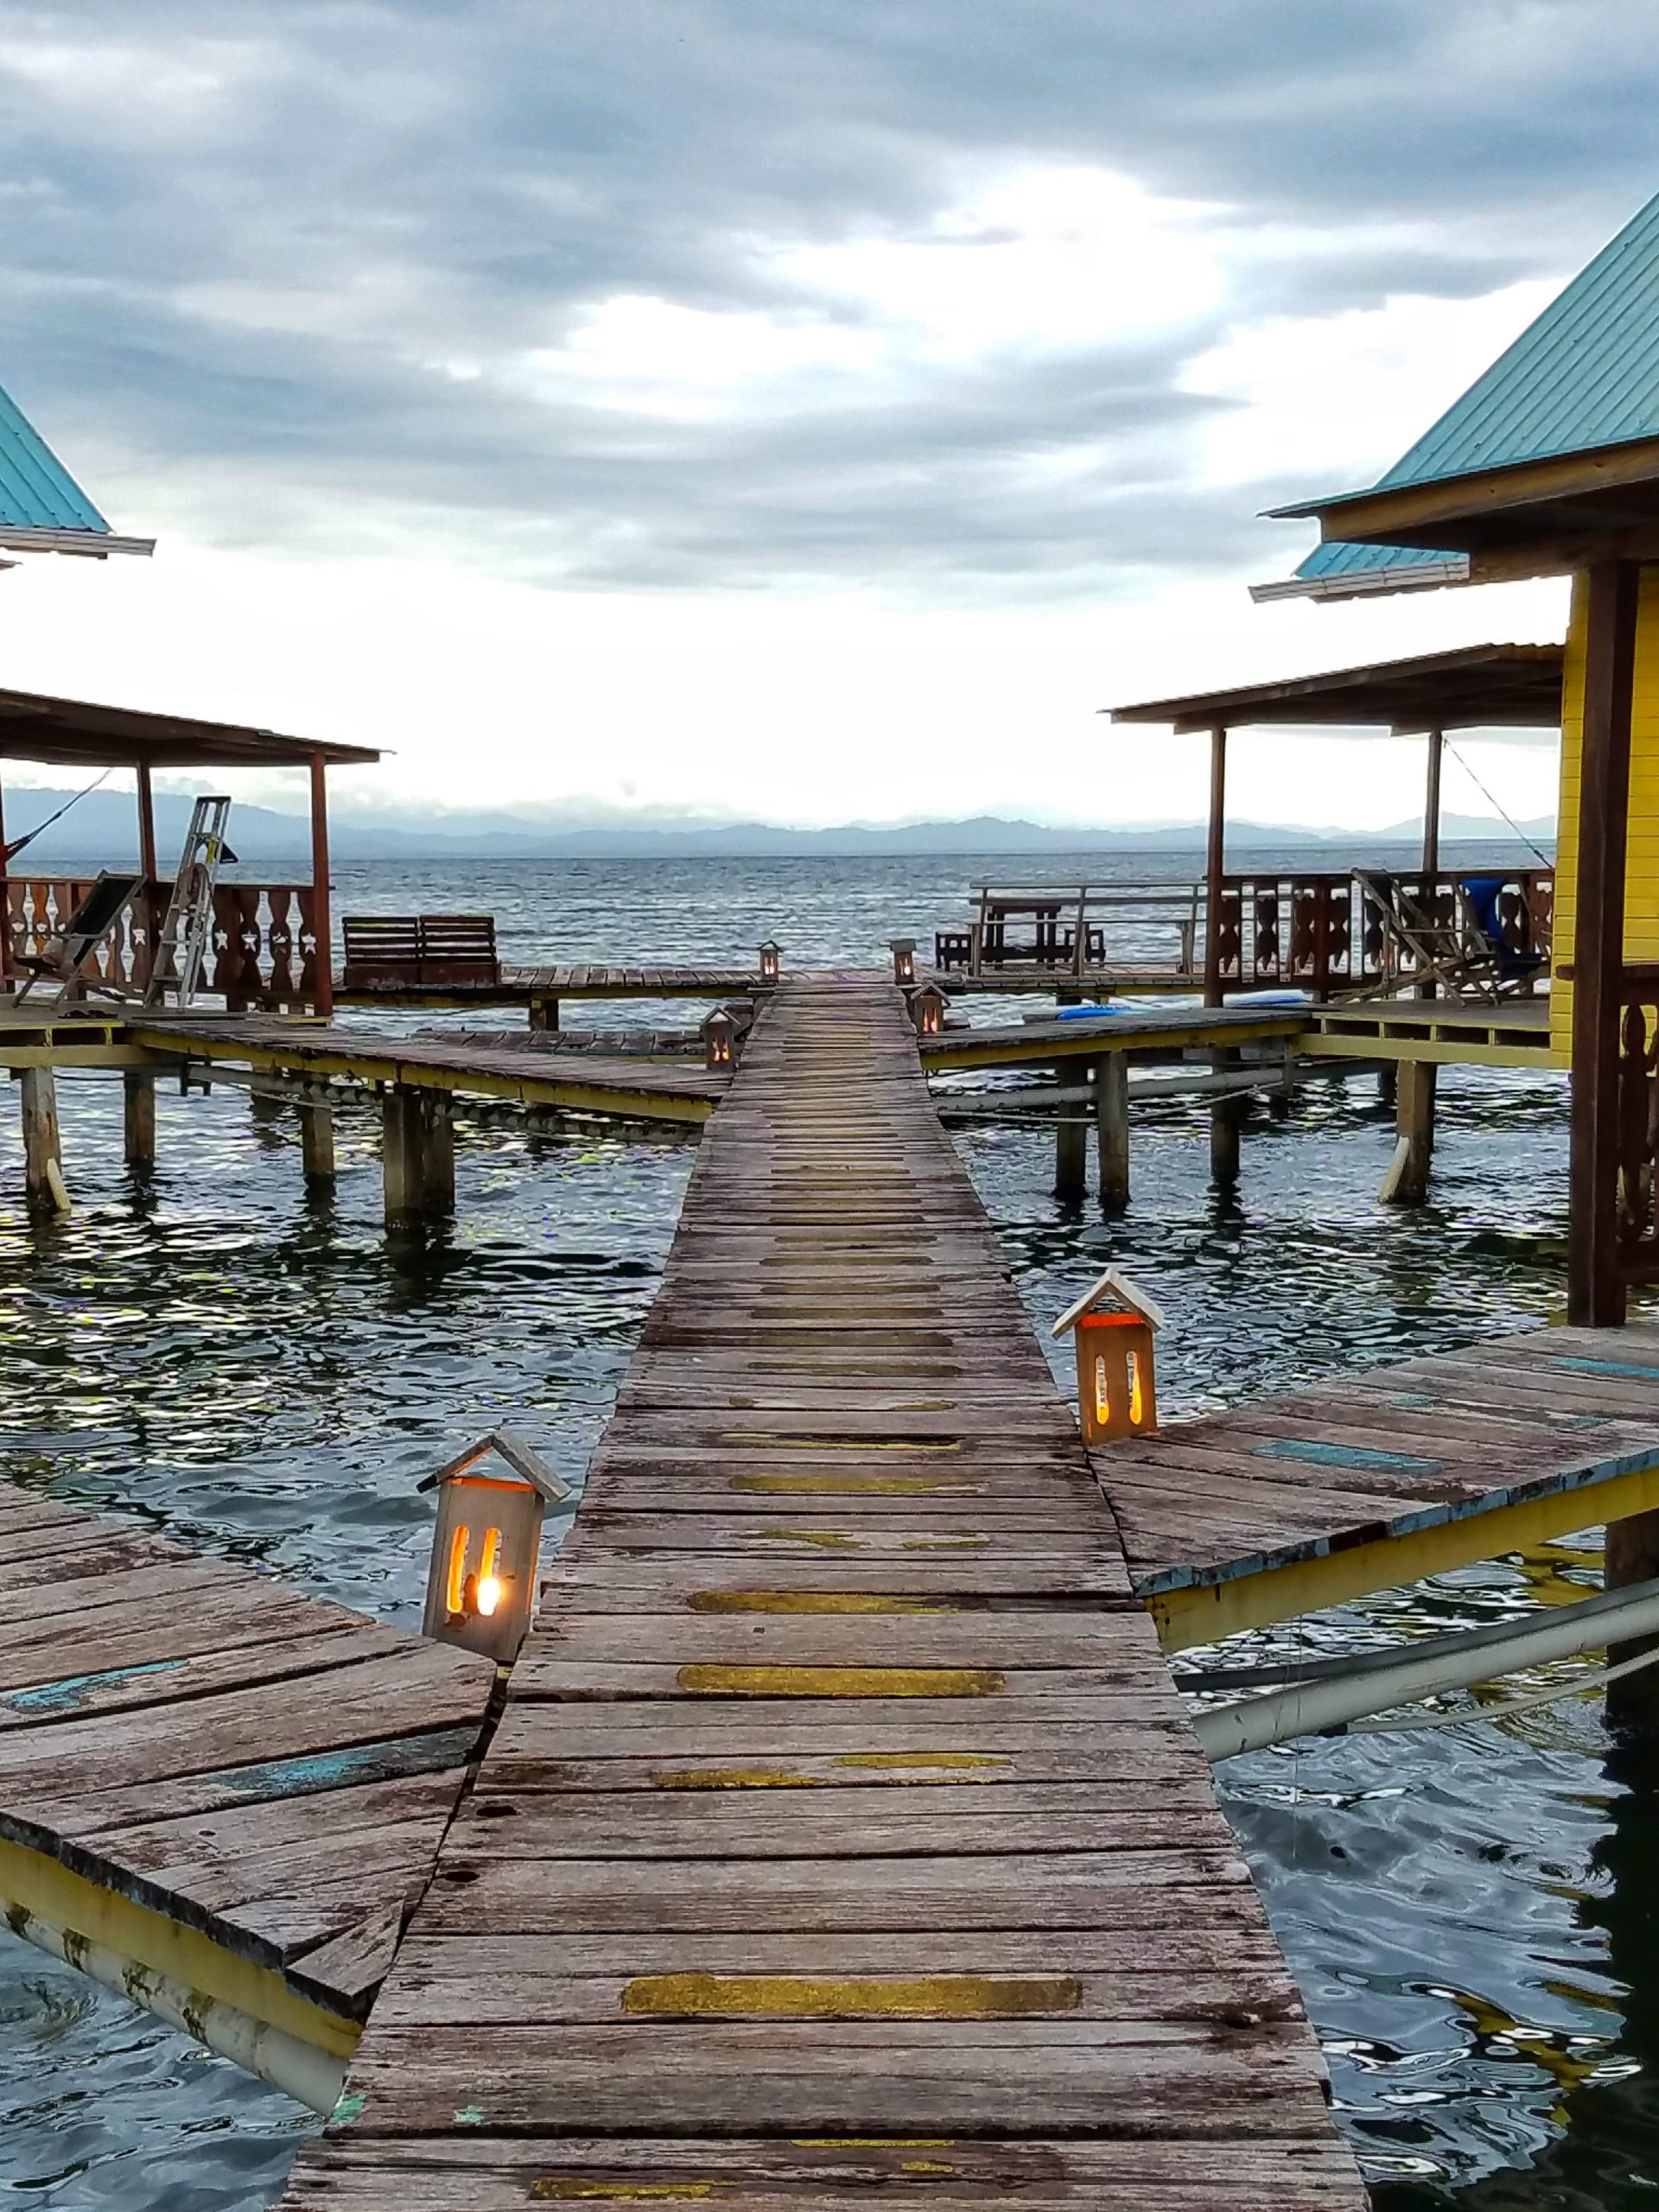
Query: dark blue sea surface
pixel 211 1352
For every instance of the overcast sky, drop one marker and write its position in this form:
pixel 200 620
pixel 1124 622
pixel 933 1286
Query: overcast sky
pixel 780 407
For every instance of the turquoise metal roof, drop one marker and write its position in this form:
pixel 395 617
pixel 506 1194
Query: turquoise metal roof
pixel 1585 374
pixel 36 491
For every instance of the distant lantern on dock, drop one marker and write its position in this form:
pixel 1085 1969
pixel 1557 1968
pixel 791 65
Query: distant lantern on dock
pixel 927 1008
pixel 904 958
pixel 718 1034
pixel 480 1589
pixel 769 958
pixel 1111 1327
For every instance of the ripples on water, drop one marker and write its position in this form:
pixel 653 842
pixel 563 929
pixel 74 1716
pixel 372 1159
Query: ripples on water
pixel 213 1354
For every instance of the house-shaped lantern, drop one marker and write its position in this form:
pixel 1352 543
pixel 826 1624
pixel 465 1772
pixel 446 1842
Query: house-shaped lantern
pixel 718 1034
pixel 769 958
pixel 1112 1327
pixel 903 950
pixel 480 1589
pixel 927 1008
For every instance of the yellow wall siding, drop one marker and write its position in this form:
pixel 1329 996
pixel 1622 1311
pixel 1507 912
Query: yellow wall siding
pixel 1642 850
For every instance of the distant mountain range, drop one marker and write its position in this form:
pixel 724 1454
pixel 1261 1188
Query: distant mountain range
pixel 102 825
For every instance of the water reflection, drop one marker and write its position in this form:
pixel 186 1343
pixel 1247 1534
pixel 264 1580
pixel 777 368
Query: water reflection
pixel 217 1353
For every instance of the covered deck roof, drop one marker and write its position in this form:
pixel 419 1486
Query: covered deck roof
pixel 1474 687
pixel 82 733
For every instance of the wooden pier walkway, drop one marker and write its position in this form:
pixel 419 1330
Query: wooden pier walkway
pixel 219 1778
pixel 843 1840
pixel 1290 1504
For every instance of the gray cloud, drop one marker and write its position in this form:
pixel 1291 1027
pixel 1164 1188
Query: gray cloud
pixel 243 246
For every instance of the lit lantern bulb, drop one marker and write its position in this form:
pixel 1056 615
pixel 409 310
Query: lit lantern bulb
pixel 489 1593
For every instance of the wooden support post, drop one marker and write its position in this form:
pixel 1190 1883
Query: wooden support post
pixel 1282 1096
pixel 1226 1120
pixel 5 902
pixel 1214 861
pixel 1070 1150
pixel 138 1091
pixel 1388 1083
pixel 1406 1182
pixel 317 1143
pixel 151 904
pixel 1630 1554
pixel 1431 809
pixel 43 1185
pixel 418 1153
pixel 1595 1295
pixel 320 924
pixel 1112 1128
pixel 543 1013
pixel 440 1149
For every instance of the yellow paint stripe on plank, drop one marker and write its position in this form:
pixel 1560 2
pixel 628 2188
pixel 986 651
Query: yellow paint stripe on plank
pixel 853 1485
pixel 800 1997
pixel 941 1760
pixel 710 1681
pixel 813 1601
pixel 550 2189
pixel 830 1539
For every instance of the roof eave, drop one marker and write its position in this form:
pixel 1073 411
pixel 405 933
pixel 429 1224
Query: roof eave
pixel 96 544
pixel 1362 583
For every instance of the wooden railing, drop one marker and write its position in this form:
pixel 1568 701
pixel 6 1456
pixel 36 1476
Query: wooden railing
pixel 264 948
pixel 1318 931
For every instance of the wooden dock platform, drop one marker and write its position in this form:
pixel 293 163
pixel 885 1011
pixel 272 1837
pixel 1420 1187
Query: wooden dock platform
pixel 843 1840
pixel 223 1780
pixel 1290 1504
pixel 661 1091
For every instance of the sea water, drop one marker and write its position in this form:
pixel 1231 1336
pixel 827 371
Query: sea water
pixel 211 1353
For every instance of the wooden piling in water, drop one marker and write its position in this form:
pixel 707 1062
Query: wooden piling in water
pixel 1406 1182
pixel 317 1143
pixel 1226 1119
pixel 1071 1153
pixel 417 1152
pixel 1112 1128
pixel 43 1185
pixel 138 1096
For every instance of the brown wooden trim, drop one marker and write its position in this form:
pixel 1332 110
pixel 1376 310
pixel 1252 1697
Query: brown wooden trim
pixel 1595 1292
pixel 1214 870
pixel 1371 516
pixel 319 914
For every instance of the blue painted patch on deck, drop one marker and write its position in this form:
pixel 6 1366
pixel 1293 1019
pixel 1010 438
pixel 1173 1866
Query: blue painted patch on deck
pixel 1612 1367
pixel 385 1762
pixel 73 1691
pixel 1347 1455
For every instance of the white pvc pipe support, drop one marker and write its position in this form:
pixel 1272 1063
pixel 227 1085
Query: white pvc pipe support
pixel 312 2077
pixel 1324 1706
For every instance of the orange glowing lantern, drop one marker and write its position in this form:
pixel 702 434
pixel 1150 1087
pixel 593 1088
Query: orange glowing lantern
pixel 718 1034
pixel 927 1010
pixel 903 950
pixel 769 958
pixel 481 1588
pixel 1112 1327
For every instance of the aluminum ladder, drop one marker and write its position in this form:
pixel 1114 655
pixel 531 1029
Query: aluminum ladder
pixel 182 944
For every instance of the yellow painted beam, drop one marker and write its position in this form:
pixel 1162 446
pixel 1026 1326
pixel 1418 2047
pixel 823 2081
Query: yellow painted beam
pixel 1204 1612
pixel 1083 1041
pixel 1451 1048
pixel 44 1887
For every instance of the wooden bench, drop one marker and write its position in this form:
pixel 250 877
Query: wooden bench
pixel 383 950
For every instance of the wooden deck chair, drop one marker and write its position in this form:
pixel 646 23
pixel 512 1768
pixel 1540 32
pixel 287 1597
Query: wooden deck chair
pixel 70 954
pixel 1422 944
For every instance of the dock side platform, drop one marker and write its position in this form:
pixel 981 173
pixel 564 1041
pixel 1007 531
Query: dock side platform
pixel 1287 1505
pixel 842 1839
pixel 212 1780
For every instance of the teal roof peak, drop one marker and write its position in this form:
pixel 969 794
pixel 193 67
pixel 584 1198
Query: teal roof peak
pixel 1584 375
pixel 36 491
